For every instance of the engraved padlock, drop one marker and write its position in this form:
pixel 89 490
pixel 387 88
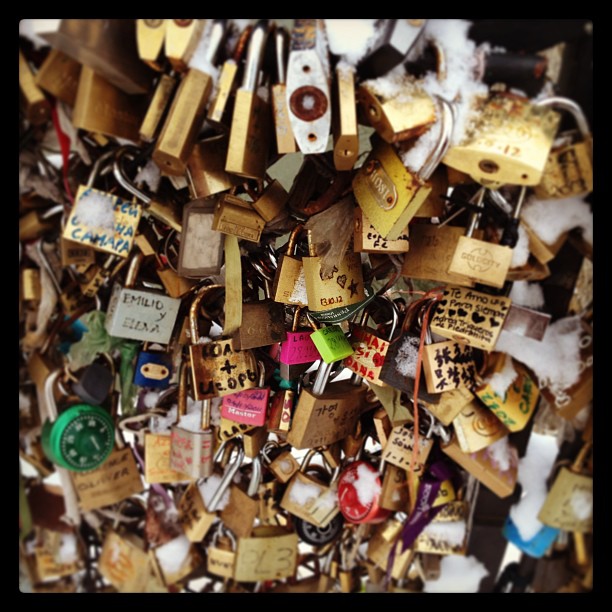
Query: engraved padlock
pixel 387 192
pixel 140 315
pixel 342 287
pixel 289 281
pixel 367 240
pixel 325 413
pixel 217 368
pixel 510 143
pixel 569 168
pixel 236 216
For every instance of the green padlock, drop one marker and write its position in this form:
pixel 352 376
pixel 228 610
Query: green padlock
pixel 330 341
pixel 80 438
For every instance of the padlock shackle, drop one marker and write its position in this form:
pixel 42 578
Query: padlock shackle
pixel 581 457
pixel 293 237
pixel 50 405
pixel 242 44
pixel 121 154
pixel 134 268
pixel 194 309
pixel 98 166
pixel 255 55
pixel 566 104
pixel 217 34
pixel 281 53
pixel 227 478
pixel 181 409
pixel 255 477
pixel 447 119
pixel 475 216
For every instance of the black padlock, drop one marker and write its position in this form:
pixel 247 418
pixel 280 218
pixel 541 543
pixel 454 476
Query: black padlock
pixel 319 536
pixel 95 382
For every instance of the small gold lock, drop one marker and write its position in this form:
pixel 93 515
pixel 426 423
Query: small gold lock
pixel 150 36
pixel 235 216
pixel 59 76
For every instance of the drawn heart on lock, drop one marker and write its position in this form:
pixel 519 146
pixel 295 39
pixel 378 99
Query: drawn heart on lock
pixel 341 280
pixel 452 312
pixel 443 302
pixel 462 313
pixel 477 318
pixel 494 322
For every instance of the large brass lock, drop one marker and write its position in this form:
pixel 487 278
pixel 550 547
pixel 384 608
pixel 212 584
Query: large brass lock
pixel 217 368
pixel 509 145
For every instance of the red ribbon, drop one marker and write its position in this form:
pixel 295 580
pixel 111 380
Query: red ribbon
pixel 64 143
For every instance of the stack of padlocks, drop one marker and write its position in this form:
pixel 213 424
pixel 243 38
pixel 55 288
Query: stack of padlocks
pixel 296 299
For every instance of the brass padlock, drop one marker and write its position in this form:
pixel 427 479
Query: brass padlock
pixel 310 499
pixel 481 261
pixel 367 240
pixel 569 169
pixel 220 106
pixel 217 369
pixel 59 76
pixel 387 192
pixel 344 121
pixel 270 202
pixel 221 553
pixel 182 38
pixel 470 317
pixel 103 108
pixel 201 247
pixel 308 77
pixel 33 104
pixel 326 413
pixel 150 36
pixel 408 113
pixel 236 216
pixel 285 141
pixel 289 280
pixel 188 110
pixel 262 325
pixel 510 143
pixel 344 287
pixel 206 168
pixel 158 108
pixel 250 134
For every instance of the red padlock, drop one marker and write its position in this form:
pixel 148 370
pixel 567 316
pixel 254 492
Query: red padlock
pixel 359 491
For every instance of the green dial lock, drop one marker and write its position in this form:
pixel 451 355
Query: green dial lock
pixel 80 439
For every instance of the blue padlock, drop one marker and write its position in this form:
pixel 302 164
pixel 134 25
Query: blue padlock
pixel 153 370
pixel 536 546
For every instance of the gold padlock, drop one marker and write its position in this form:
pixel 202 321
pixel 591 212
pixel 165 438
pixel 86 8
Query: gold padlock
pixel 188 110
pixel 59 75
pixel 236 216
pixel 150 36
pixel 250 134
pixel 509 145
pixel 387 192
pixel 289 285
pixel 343 287
pixel 344 126
pixel 285 141
pixel 33 104
pixel 368 240
pixel 182 37
pixel 158 106
pixel 569 169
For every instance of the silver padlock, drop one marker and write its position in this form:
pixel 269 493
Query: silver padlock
pixel 140 315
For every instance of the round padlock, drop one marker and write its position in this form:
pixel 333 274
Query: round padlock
pixel 80 439
pixel 359 490
pixel 319 536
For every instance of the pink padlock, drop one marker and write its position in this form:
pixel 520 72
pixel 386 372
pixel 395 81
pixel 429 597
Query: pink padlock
pixel 297 351
pixel 249 406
